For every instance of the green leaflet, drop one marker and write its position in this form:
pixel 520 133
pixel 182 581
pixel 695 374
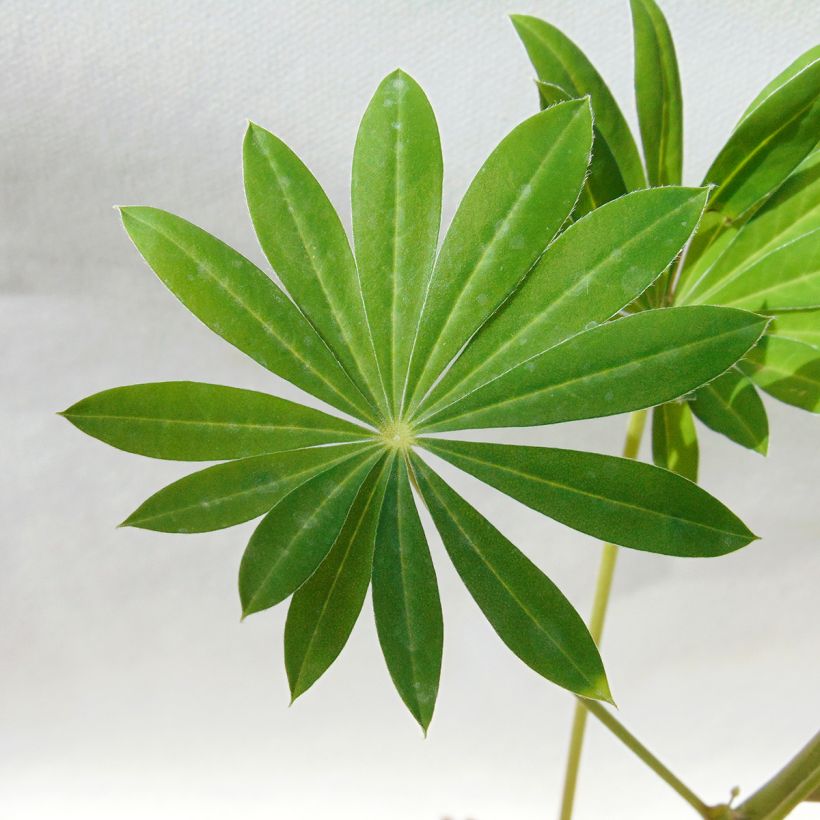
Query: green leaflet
pixel 557 60
pixel 192 421
pixel 799 326
pixel 603 182
pixel 241 304
pixel 303 238
pixel 396 193
pixel 628 364
pixel 786 278
pixel 674 439
pixel 731 406
pixel 236 491
pixel 296 535
pixel 519 199
pixel 767 144
pixel 786 369
pixel 592 270
pixel 658 94
pixel 406 600
pixel 525 608
pixel 618 500
pixel 792 211
pixel 324 610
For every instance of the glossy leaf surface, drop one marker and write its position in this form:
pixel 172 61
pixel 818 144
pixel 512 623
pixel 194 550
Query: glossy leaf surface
pixel 619 500
pixel 525 608
pixel 192 421
pixel 406 599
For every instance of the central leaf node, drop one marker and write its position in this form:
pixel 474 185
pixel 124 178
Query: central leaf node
pixel 397 435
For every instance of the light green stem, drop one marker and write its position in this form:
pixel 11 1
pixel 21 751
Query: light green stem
pixel 634 745
pixel 606 570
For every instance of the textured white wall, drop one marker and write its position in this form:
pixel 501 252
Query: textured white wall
pixel 128 688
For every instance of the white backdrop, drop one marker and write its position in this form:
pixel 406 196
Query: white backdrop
pixel 128 687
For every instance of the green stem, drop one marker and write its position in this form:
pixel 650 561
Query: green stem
pixel 603 587
pixel 634 745
pixel 795 782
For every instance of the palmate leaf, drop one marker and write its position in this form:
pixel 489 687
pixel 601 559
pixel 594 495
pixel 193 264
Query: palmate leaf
pixel 396 194
pixel 192 421
pixel 618 500
pixel 674 439
pixel 658 94
pixel 303 238
pixel 517 202
pixel 595 268
pixel 628 364
pixel 525 608
pixel 557 60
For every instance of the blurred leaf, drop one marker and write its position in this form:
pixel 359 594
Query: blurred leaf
pixel 525 608
pixel 674 440
pixel 515 205
pixel 241 304
pixel 799 326
pixel 324 610
pixel 658 94
pixel 297 534
pixel 396 190
pixel 618 500
pixel 192 421
pixel 236 491
pixel 557 60
pixel 304 240
pixel 595 267
pixel 786 369
pixel 406 600
pixel 603 182
pixel 628 364
pixel 730 405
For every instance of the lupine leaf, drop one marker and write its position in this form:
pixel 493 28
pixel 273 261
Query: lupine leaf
pixel 192 421
pixel 674 439
pixel 236 491
pixel 557 60
pixel 603 182
pixel 324 610
pixel 786 369
pixel 297 534
pixel 406 600
pixel 799 325
pixel 638 361
pixel 658 94
pixel 242 304
pixel 300 233
pixel 525 608
pixel 396 192
pixel 519 199
pixel 767 144
pixel 731 406
pixel 619 500
pixel 793 210
pixel 595 267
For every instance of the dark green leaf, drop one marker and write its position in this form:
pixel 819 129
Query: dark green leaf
pixel 517 202
pixel 525 608
pixel 324 610
pixel 300 233
pixel 557 60
pixel 730 405
pixel 786 369
pixel 619 500
pixel 192 421
pixel 242 304
pixel 658 94
pixel 236 491
pixel 406 600
pixel 296 535
pixel 628 364
pixel 594 268
pixel 396 193
pixel 674 440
